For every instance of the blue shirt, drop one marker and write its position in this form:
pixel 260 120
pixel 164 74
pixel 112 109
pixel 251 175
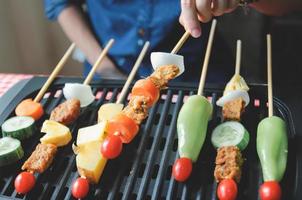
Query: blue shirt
pixel 131 23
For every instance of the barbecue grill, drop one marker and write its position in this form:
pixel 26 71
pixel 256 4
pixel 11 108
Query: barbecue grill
pixel 143 171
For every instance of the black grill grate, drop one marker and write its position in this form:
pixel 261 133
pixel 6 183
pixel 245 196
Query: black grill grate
pixel 143 171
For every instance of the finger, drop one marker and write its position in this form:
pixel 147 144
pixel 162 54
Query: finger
pixel 189 17
pixel 232 5
pixel 220 6
pixel 204 10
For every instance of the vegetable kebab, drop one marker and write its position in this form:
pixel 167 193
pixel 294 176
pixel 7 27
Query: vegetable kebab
pixel 272 143
pixel 89 160
pixel 57 135
pixel 230 137
pixel 121 127
pixel 23 126
pixel 192 122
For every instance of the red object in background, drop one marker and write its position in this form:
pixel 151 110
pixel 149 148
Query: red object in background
pixel 8 80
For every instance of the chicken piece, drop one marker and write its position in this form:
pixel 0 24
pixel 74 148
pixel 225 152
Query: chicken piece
pixel 233 110
pixel 41 158
pixel 137 108
pixel 163 74
pixel 66 112
pixel 228 163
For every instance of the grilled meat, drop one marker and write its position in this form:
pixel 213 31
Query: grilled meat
pixel 228 163
pixel 163 74
pixel 137 108
pixel 41 158
pixel 233 110
pixel 67 112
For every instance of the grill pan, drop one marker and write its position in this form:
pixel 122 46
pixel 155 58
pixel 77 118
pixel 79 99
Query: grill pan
pixel 143 170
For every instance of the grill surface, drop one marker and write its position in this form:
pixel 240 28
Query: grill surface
pixel 143 171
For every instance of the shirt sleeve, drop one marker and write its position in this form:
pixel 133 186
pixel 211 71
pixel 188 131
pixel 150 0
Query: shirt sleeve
pixel 53 8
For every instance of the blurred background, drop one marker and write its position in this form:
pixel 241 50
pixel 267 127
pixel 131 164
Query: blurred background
pixel 31 44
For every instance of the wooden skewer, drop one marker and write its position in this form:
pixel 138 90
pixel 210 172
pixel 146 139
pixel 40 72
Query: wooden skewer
pixel 179 44
pixel 97 63
pixel 238 57
pixel 207 58
pixel 269 75
pixel 54 73
pixel 133 72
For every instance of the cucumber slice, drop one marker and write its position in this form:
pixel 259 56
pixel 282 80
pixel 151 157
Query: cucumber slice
pixel 10 150
pixel 230 134
pixel 19 127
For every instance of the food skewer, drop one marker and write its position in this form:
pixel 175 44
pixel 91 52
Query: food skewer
pixel 57 135
pixel 109 110
pixel 83 92
pixel 120 128
pixel 230 137
pixel 33 108
pixel 192 122
pixel 272 143
pixel 22 126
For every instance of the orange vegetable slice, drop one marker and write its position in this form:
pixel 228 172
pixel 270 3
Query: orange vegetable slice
pixel 124 127
pixel 30 108
pixel 145 87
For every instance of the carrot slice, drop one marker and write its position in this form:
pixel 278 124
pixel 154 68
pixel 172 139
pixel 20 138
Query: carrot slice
pixel 145 87
pixel 123 126
pixel 30 108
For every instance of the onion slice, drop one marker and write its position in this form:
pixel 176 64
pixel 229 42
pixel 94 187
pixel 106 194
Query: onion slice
pixel 79 91
pixel 232 95
pixel 161 58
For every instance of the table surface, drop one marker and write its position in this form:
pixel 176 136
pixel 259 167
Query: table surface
pixel 8 80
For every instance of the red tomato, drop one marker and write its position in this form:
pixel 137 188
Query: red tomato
pixel 111 147
pixel 182 169
pixel 24 182
pixel 270 190
pixel 145 87
pixel 125 126
pixel 80 188
pixel 227 190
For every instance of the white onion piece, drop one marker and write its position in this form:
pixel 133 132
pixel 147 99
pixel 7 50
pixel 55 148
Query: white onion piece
pixel 79 91
pixel 160 59
pixel 232 95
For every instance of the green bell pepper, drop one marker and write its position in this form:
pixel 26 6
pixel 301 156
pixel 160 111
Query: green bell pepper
pixel 192 123
pixel 272 147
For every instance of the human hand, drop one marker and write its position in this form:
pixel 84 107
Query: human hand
pixel 108 70
pixel 195 11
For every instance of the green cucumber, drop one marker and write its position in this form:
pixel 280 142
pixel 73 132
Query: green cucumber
pixel 19 127
pixel 230 134
pixel 10 150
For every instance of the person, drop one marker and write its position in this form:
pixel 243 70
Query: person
pixel 132 22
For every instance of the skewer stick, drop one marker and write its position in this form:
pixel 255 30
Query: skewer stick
pixel 97 63
pixel 54 73
pixel 207 58
pixel 238 57
pixel 179 44
pixel 133 72
pixel 269 75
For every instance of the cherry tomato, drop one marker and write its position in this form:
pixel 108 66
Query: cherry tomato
pixel 182 169
pixel 227 190
pixel 270 190
pixel 145 87
pixel 24 182
pixel 80 188
pixel 124 125
pixel 111 147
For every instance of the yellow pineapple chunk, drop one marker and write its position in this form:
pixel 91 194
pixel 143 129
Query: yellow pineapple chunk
pixel 56 133
pixel 108 111
pixel 90 162
pixel 91 134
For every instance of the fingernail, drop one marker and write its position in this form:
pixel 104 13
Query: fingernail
pixel 195 32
